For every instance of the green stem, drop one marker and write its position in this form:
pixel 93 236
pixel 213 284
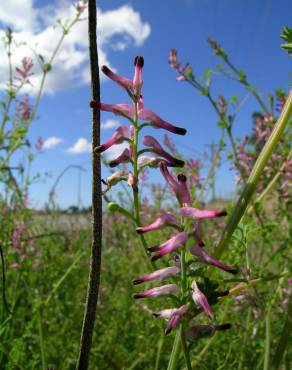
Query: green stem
pixel 185 349
pixel 174 357
pixel 268 339
pixel 254 177
pixel 41 339
pixel 285 337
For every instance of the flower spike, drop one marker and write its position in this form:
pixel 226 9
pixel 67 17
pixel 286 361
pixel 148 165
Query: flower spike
pixel 156 292
pixel 199 331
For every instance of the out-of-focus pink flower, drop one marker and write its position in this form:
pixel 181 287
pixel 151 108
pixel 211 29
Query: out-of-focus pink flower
pixel 169 246
pixel 156 292
pixel 200 299
pixel 14 266
pixel 17 234
pixel 39 144
pixel 158 275
pixel 166 219
pixel 25 70
pixel 124 157
pixel 201 213
pixel 118 137
pixel 24 109
pixel 179 187
pixel 169 143
pixel 132 180
pixel 156 148
pixel 157 122
pixel 199 331
pixel 197 233
pixel 205 257
pixel 172 59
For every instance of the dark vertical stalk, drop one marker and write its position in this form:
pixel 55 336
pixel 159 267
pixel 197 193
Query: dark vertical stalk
pixel 94 274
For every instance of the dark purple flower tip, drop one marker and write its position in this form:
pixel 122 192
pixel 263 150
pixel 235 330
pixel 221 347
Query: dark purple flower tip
pixel 137 281
pixel 201 243
pixel 223 293
pixel 139 61
pixel 155 257
pixel 153 249
pixel 105 70
pixel 138 295
pixel 223 327
pixel 232 270
pixel 180 130
pixel 177 163
pixel 181 178
pixel 222 213
pixel 155 314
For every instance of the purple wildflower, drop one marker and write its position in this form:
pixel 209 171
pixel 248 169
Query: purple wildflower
pixel 200 213
pixel 158 275
pixel 179 187
pixel 118 137
pixel 169 246
pixel 166 219
pixel 200 299
pixel 156 292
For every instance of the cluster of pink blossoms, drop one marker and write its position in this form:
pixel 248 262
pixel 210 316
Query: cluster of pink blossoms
pixel 187 235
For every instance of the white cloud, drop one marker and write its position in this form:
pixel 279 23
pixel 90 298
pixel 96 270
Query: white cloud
pixel 115 150
pixel 119 29
pixel 81 146
pixel 52 141
pixel 109 124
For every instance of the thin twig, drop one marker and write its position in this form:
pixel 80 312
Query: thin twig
pixel 94 274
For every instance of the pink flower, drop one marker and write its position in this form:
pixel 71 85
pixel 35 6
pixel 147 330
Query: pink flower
pixel 118 137
pixel 133 87
pixel 138 79
pixel 156 292
pixel 124 157
pixel 199 213
pixel 176 318
pixel 179 187
pixel 172 59
pixel 199 331
pixel 200 299
pixel 197 233
pixel 156 148
pixel 122 81
pixel 157 122
pixel 25 70
pixel 125 110
pixel 132 180
pixel 24 109
pixel 205 257
pixel 114 179
pixel 158 275
pixel 166 219
pixel 169 246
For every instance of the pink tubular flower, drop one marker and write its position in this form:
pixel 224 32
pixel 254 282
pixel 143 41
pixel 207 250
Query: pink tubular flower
pixel 200 299
pixel 158 275
pixel 122 81
pixel 124 157
pixel 118 137
pixel 157 122
pixel 156 148
pixel 114 179
pixel 132 180
pixel 176 318
pixel 166 219
pixel 199 331
pixel 169 246
pixel 197 233
pixel 25 70
pixel 200 213
pixel 156 292
pixel 205 257
pixel 118 109
pixel 179 187
pixel 138 80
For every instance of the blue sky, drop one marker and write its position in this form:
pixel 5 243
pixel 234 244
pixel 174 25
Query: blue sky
pixel 248 30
